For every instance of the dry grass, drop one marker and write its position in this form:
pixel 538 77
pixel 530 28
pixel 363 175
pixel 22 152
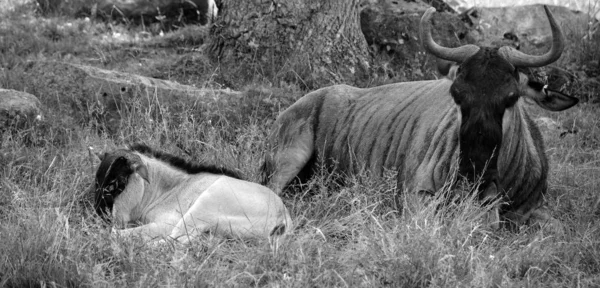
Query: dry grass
pixel 345 236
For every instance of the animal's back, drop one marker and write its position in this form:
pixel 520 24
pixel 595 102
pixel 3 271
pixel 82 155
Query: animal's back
pixel 412 128
pixel 246 208
pixel 409 127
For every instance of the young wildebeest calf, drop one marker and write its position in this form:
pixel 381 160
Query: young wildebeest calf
pixel 154 195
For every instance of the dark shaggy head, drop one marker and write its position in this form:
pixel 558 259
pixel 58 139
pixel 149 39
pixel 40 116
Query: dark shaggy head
pixel 485 86
pixel 111 180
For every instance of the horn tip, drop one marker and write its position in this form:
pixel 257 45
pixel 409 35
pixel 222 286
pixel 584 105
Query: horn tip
pixel 547 10
pixel 427 14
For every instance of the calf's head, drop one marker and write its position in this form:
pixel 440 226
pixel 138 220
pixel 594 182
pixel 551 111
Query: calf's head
pixel 113 177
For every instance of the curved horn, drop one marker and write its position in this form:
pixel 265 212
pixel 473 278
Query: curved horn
pixel 517 58
pixel 458 54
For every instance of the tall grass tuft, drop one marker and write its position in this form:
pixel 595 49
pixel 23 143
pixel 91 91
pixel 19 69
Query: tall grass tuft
pixel 346 235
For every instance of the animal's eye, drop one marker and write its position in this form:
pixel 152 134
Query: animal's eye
pixel 455 92
pixel 511 99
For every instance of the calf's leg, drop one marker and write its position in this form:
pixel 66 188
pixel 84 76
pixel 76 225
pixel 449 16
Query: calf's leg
pixel 232 207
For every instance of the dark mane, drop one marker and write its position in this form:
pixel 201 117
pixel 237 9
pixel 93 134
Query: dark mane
pixel 182 164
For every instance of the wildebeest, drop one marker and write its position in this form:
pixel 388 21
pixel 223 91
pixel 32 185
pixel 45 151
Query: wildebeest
pixel 476 117
pixel 157 195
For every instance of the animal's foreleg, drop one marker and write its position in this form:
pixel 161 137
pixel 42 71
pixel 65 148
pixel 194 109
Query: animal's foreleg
pixel 148 232
pixel 199 219
pixel 544 219
pixel 492 217
pixel 188 229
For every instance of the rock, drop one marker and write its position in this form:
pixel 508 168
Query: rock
pixel 525 27
pixel 407 6
pixel 440 6
pixel 196 11
pixel 391 29
pixel 394 25
pixel 91 94
pixel 585 6
pixel 396 31
pixel 18 109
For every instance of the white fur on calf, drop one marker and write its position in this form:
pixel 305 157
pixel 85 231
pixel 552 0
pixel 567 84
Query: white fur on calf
pixel 126 209
pixel 161 201
pixel 224 209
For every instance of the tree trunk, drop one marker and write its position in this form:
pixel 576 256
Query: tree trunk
pixel 311 42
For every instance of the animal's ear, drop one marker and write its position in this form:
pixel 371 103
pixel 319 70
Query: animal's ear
pixel 556 101
pixel 546 98
pixel 447 68
pixel 141 170
pixel 100 155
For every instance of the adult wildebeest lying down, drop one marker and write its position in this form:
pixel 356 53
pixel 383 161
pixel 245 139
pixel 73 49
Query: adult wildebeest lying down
pixel 154 195
pixel 421 128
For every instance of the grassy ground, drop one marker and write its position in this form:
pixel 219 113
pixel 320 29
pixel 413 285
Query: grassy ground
pixel 345 236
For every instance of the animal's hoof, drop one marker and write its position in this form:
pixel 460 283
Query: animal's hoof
pixel 492 218
pixel 546 222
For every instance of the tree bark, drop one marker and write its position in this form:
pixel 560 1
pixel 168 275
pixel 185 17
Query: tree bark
pixel 311 42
